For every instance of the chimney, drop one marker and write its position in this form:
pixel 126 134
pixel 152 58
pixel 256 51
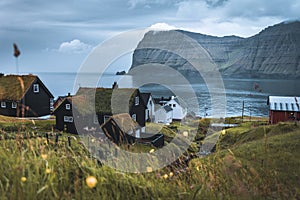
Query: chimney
pixel 115 85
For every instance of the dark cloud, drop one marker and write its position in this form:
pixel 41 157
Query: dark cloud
pixel 40 25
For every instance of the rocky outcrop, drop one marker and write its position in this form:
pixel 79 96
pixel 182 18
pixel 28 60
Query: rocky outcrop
pixel 274 52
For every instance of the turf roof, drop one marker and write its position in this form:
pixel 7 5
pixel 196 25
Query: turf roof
pixel 14 87
pixel 105 100
pixel 124 121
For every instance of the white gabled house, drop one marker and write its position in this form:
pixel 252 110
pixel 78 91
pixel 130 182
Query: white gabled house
pixel 179 111
pixel 164 115
pixel 150 110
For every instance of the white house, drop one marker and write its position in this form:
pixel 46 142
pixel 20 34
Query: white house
pixel 164 114
pixel 148 101
pixel 179 110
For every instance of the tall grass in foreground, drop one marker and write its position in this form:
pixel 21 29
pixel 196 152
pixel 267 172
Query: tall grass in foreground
pixel 250 163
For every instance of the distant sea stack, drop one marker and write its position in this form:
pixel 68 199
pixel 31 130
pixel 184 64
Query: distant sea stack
pixel 272 53
pixel 121 73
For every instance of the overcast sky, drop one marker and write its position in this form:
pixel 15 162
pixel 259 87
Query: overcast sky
pixel 57 36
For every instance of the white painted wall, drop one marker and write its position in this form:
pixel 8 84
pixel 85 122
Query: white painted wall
pixel 161 116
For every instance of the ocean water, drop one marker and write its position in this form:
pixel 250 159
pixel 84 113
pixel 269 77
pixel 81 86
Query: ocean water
pixel 253 92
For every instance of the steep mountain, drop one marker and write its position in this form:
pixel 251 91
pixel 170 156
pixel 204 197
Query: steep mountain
pixel 272 53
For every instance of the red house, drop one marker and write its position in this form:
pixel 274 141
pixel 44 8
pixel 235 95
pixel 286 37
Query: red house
pixel 283 109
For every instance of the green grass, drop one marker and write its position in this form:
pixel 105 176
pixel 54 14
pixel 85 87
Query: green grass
pixel 252 161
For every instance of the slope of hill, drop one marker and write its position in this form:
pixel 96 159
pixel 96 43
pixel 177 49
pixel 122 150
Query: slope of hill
pixel 274 52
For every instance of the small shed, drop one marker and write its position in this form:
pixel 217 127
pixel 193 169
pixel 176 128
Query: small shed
pixel 121 128
pixel 283 108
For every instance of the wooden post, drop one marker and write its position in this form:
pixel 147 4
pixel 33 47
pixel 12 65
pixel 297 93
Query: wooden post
pixel 69 141
pixel 47 137
pixel 56 139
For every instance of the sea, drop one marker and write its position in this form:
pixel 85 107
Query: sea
pixel 241 96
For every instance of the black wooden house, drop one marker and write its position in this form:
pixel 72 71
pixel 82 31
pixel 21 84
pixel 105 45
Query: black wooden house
pixel 92 107
pixel 24 96
pixel 64 115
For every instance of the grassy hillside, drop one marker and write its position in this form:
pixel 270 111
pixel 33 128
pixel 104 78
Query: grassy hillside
pixel 252 161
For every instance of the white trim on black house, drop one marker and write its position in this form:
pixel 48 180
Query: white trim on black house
pixel 14 104
pixel 36 88
pixel 3 104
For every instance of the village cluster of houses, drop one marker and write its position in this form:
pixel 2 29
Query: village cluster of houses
pixel 130 109
pixel 90 109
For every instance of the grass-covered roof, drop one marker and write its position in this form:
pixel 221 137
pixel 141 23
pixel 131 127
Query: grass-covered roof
pixel 124 122
pixel 105 100
pixel 14 87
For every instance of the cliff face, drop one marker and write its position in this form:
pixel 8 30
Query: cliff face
pixel 274 52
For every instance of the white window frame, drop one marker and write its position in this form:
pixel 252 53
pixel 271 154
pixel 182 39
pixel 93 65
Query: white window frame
pixel 136 100
pixel 68 119
pixel 68 106
pixel 3 104
pixel 133 116
pixel 36 88
pixel 13 104
pixel 51 104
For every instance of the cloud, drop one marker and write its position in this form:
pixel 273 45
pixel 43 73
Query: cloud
pixel 74 46
pixel 149 3
pixel 162 26
pixel 234 17
pixel 231 9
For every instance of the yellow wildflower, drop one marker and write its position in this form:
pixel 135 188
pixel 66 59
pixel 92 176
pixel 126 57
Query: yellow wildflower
pixel 223 132
pixel 152 150
pixel 23 179
pixel 91 181
pixel 171 174
pixel 44 156
pixel 48 171
pixel 185 134
pixel 149 169
pixel 165 176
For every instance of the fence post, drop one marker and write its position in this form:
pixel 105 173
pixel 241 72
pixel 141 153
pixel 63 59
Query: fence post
pixel 69 141
pixel 47 137
pixel 56 139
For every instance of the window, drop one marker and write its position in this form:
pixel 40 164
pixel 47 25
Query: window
pixel 137 101
pixel 275 106
pixel 51 104
pixel 68 106
pixel 68 119
pixel 280 106
pixel 13 105
pixel 36 88
pixel 3 104
pixel 134 117
pixel 287 106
